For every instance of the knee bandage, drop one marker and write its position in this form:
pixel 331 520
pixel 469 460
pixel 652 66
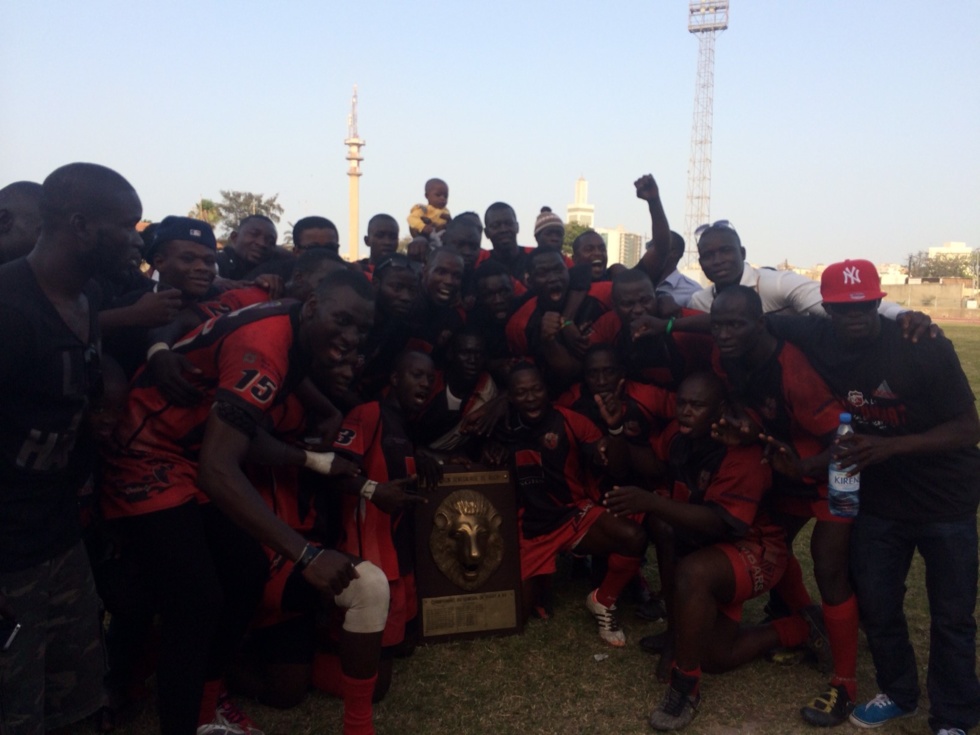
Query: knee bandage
pixel 366 600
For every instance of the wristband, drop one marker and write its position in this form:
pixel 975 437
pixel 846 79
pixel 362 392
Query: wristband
pixel 367 489
pixel 615 432
pixel 310 552
pixel 670 325
pixel 155 348
pixel 320 462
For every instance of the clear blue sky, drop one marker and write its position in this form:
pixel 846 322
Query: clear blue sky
pixel 840 129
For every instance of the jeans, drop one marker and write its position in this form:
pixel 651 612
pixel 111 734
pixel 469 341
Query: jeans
pixel 881 553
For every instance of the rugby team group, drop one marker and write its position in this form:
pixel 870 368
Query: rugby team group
pixel 211 459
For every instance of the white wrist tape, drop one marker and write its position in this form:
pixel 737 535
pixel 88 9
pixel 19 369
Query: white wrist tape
pixel 367 489
pixel 319 461
pixel 155 348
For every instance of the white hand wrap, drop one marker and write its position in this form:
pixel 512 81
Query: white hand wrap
pixel 155 348
pixel 368 488
pixel 319 461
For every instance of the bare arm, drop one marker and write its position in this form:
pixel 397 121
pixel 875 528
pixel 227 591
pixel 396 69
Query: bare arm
pixel 865 450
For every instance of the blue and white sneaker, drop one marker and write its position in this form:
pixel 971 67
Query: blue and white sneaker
pixel 878 711
pixel 950 731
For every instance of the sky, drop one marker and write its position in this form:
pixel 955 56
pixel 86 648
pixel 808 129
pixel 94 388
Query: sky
pixel 844 128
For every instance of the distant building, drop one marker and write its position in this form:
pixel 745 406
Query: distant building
pixel 950 250
pixel 581 212
pixel 623 247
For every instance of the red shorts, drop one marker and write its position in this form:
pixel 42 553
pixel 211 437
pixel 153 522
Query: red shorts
pixel 757 566
pixel 403 608
pixel 538 554
pixel 817 508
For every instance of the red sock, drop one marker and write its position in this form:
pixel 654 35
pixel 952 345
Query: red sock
pixel 619 573
pixel 791 587
pixel 841 622
pixel 209 702
pixel 327 674
pixel 792 631
pixel 358 713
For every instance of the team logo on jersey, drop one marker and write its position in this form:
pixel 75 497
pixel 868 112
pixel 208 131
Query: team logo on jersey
pixel 884 391
pixel 345 437
pixel 855 398
pixel 249 357
pixel 550 440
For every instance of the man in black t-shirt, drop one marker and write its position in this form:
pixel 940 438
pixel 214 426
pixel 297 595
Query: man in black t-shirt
pixel 252 243
pixel 52 673
pixel 915 447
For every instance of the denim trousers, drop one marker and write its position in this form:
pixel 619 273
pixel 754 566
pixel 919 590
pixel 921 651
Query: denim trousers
pixel 881 553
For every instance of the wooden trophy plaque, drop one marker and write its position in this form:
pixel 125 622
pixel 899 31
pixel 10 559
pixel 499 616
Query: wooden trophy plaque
pixel 467 557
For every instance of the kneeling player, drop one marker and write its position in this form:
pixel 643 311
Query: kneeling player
pixel 733 551
pixel 560 510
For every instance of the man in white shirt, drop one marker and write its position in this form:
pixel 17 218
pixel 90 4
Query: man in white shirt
pixel 722 259
pixel 675 284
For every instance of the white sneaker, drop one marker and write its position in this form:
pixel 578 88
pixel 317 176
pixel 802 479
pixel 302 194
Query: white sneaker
pixel 950 731
pixel 607 619
pixel 219 728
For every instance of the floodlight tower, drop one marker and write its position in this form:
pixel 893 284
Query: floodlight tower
pixel 354 145
pixel 705 18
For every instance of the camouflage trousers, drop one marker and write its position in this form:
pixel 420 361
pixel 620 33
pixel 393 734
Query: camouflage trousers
pixel 52 674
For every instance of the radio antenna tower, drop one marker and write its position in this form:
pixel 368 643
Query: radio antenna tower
pixel 354 145
pixel 705 18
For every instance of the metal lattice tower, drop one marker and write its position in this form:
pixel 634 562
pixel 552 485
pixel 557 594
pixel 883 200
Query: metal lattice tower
pixel 705 18
pixel 354 145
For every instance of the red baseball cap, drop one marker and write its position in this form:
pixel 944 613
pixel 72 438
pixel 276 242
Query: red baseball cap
pixel 851 282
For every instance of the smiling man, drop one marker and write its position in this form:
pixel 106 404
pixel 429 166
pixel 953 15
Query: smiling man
pixel 915 446
pixel 252 243
pixel 205 557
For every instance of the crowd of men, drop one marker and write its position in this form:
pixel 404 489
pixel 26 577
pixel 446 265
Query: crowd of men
pixel 224 449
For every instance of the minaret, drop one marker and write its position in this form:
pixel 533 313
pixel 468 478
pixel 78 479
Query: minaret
pixel 581 212
pixel 354 145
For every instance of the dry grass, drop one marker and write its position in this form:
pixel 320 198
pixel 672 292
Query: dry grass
pixel 547 682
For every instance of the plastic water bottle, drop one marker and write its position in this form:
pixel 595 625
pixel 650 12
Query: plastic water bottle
pixel 844 488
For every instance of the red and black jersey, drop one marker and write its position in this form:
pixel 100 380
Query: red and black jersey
pixel 524 327
pixel 232 300
pixel 430 327
pixel 375 436
pixel 551 460
pixel 517 267
pixel 246 358
pixel 442 415
pixel 663 359
pixel 649 409
pixel 791 401
pixel 732 481
pixel 280 486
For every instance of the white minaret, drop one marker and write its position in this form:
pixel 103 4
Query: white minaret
pixel 354 145
pixel 581 212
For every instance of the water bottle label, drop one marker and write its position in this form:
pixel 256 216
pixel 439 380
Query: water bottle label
pixel 841 481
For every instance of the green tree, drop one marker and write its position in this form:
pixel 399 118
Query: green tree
pixel 942 266
pixel 237 205
pixel 206 210
pixel 572 230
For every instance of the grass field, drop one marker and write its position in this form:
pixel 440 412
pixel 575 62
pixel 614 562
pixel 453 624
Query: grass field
pixel 548 682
